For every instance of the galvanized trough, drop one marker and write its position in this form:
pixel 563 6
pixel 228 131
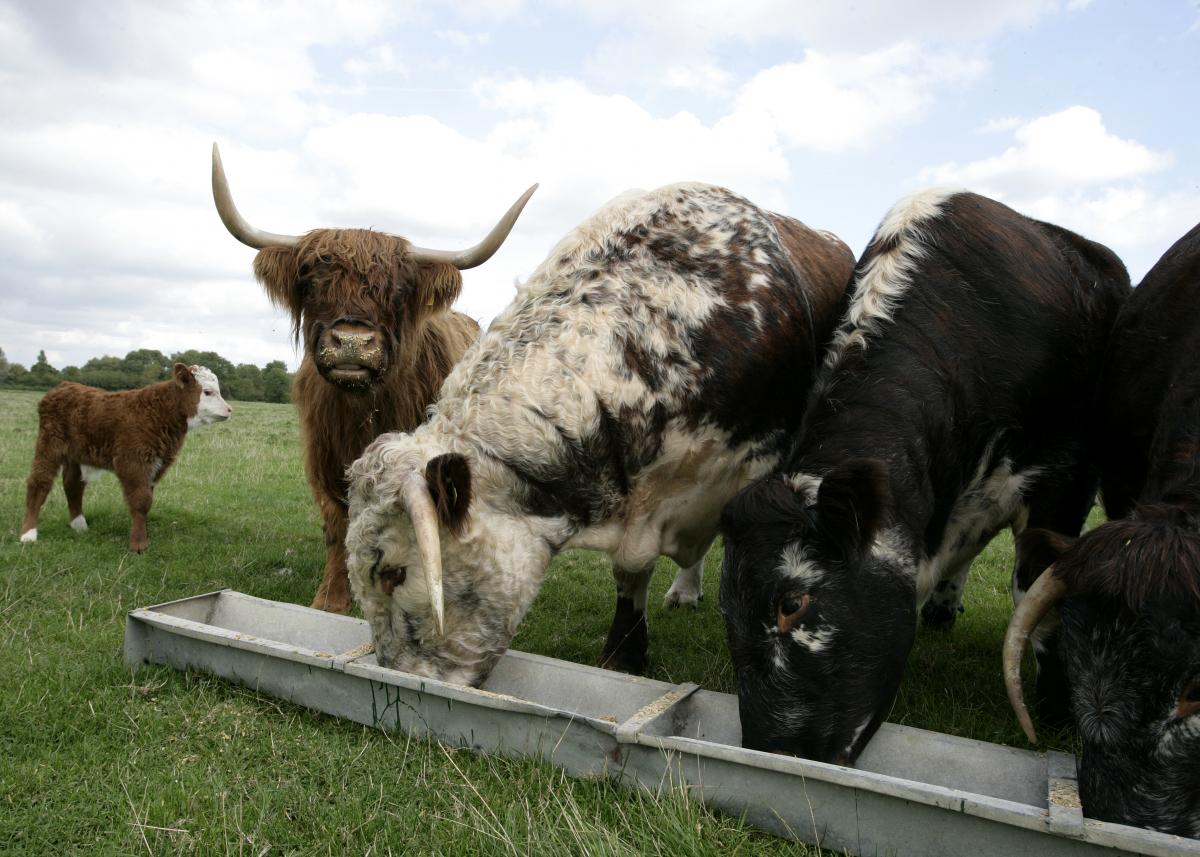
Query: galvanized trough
pixel 912 793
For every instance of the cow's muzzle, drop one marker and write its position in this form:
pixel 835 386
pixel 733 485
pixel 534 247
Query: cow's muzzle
pixel 350 354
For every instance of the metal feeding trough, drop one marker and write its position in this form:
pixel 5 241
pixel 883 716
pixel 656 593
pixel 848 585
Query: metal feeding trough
pixel 913 792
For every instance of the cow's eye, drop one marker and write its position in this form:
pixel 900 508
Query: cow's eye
pixel 791 609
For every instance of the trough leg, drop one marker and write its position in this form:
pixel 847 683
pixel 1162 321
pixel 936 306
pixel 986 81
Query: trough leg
pixel 687 590
pixel 627 643
pixel 333 594
pixel 941 610
pixel 73 486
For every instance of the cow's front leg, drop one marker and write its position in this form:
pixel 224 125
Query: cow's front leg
pixel 135 483
pixel 333 594
pixel 625 648
pixel 687 590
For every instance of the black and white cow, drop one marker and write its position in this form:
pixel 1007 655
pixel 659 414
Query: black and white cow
pixel 954 401
pixel 1129 590
pixel 655 363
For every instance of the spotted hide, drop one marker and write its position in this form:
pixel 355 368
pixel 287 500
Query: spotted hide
pixel 655 362
pixel 955 400
pixel 1129 590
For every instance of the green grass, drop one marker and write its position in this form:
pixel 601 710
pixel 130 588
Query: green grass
pixel 97 759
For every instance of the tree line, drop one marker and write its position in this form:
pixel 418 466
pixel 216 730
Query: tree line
pixel 244 382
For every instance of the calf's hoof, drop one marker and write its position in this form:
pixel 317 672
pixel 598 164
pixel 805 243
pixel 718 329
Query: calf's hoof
pixel 682 598
pixel 623 662
pixel 139 547
pixel 29 536
pixel 331 602
pixel 79 524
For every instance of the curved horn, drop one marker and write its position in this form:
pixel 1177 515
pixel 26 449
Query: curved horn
pixel 1046 591
pixel 234 222
pixel 419 505
pixel 481 252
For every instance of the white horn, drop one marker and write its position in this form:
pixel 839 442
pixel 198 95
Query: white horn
pixel 419 505
pixel 481 252
pixel 234 222
pixel 1046 591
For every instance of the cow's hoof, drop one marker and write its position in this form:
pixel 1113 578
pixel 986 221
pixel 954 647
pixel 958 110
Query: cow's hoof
pixel 79 524
pixel 330 605
pixel 623 662
pixel 138 548
pixel 29 536
pixel 940 617
pixel 682 598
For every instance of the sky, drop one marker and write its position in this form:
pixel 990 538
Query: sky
pixel 427 119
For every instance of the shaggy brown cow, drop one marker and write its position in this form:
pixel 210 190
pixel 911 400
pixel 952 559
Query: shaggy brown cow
pixel 136 434
pixel 379 336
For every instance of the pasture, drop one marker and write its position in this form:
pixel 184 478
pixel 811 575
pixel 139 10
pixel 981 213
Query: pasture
pixel 104 761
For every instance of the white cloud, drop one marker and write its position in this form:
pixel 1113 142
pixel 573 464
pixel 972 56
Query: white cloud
pixel 1000 124
pixel 838 101
pixel 1065 150
pixel 1068 168
pixel 463 40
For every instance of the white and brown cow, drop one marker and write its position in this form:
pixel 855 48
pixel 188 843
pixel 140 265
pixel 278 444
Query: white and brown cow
pixel 654 363
pixel 136 434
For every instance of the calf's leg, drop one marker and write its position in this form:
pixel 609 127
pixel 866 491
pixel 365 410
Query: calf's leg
pixel 73 486
pixel 627 643
pixel 687 589
pixel 333 594
pixel 135 484
pixel 47 458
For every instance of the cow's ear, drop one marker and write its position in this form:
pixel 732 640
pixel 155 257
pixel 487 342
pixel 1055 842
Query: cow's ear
pixel 449 478
pixel 852 501
pixel 183 375
pixel 1037 550
pixel 438 285
pixel 276 268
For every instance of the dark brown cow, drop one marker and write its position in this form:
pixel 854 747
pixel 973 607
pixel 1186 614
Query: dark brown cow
pixel 379 337
pixel 136 434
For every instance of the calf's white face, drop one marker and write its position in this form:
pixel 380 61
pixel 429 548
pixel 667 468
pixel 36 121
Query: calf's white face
pixel 487 564
pixel 212 408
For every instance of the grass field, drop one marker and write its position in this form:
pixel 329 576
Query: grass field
pixel 96 759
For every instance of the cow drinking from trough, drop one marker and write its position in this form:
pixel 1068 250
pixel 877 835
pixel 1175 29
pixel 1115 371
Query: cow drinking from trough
pixel 136 434
pixel 655 362
pixel 952 403
pixel 1129 590
pixel 379 337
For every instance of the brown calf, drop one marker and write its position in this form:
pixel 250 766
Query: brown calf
pixel 136 434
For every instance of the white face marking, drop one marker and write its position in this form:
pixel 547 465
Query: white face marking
pixel 79 524
pixel 212 408
pixel 806 485
pixel 795 564
pixel 29 535
pixel 816 640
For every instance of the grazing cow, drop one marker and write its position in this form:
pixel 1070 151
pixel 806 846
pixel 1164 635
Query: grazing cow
pixel 1129 590
pixel 952 403
pixel 136 434
pixel 379 338
pixel 654 363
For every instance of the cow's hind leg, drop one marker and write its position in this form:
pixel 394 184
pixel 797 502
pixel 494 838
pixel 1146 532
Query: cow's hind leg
pixel 627 643
pixel 73 486
pixel 687 590
pixel 333 594
pixel 47 458
pixel 1060 502
pixel 945 603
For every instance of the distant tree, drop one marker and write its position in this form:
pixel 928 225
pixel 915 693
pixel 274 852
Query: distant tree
pixel 42 374
pixel 220 367
pixel 107 373
pixel 72 373
pixel 145 366
pixel 17 375
pixel 277 382
pixel 247 383
pixel 3 367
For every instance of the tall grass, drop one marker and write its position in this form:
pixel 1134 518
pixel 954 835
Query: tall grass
pixel 97 759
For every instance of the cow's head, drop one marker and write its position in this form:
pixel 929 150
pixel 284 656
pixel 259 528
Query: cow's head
pixel 441 564
pixel 1128 593
pixel 202 393
pixel 357 297
pixel 818 610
